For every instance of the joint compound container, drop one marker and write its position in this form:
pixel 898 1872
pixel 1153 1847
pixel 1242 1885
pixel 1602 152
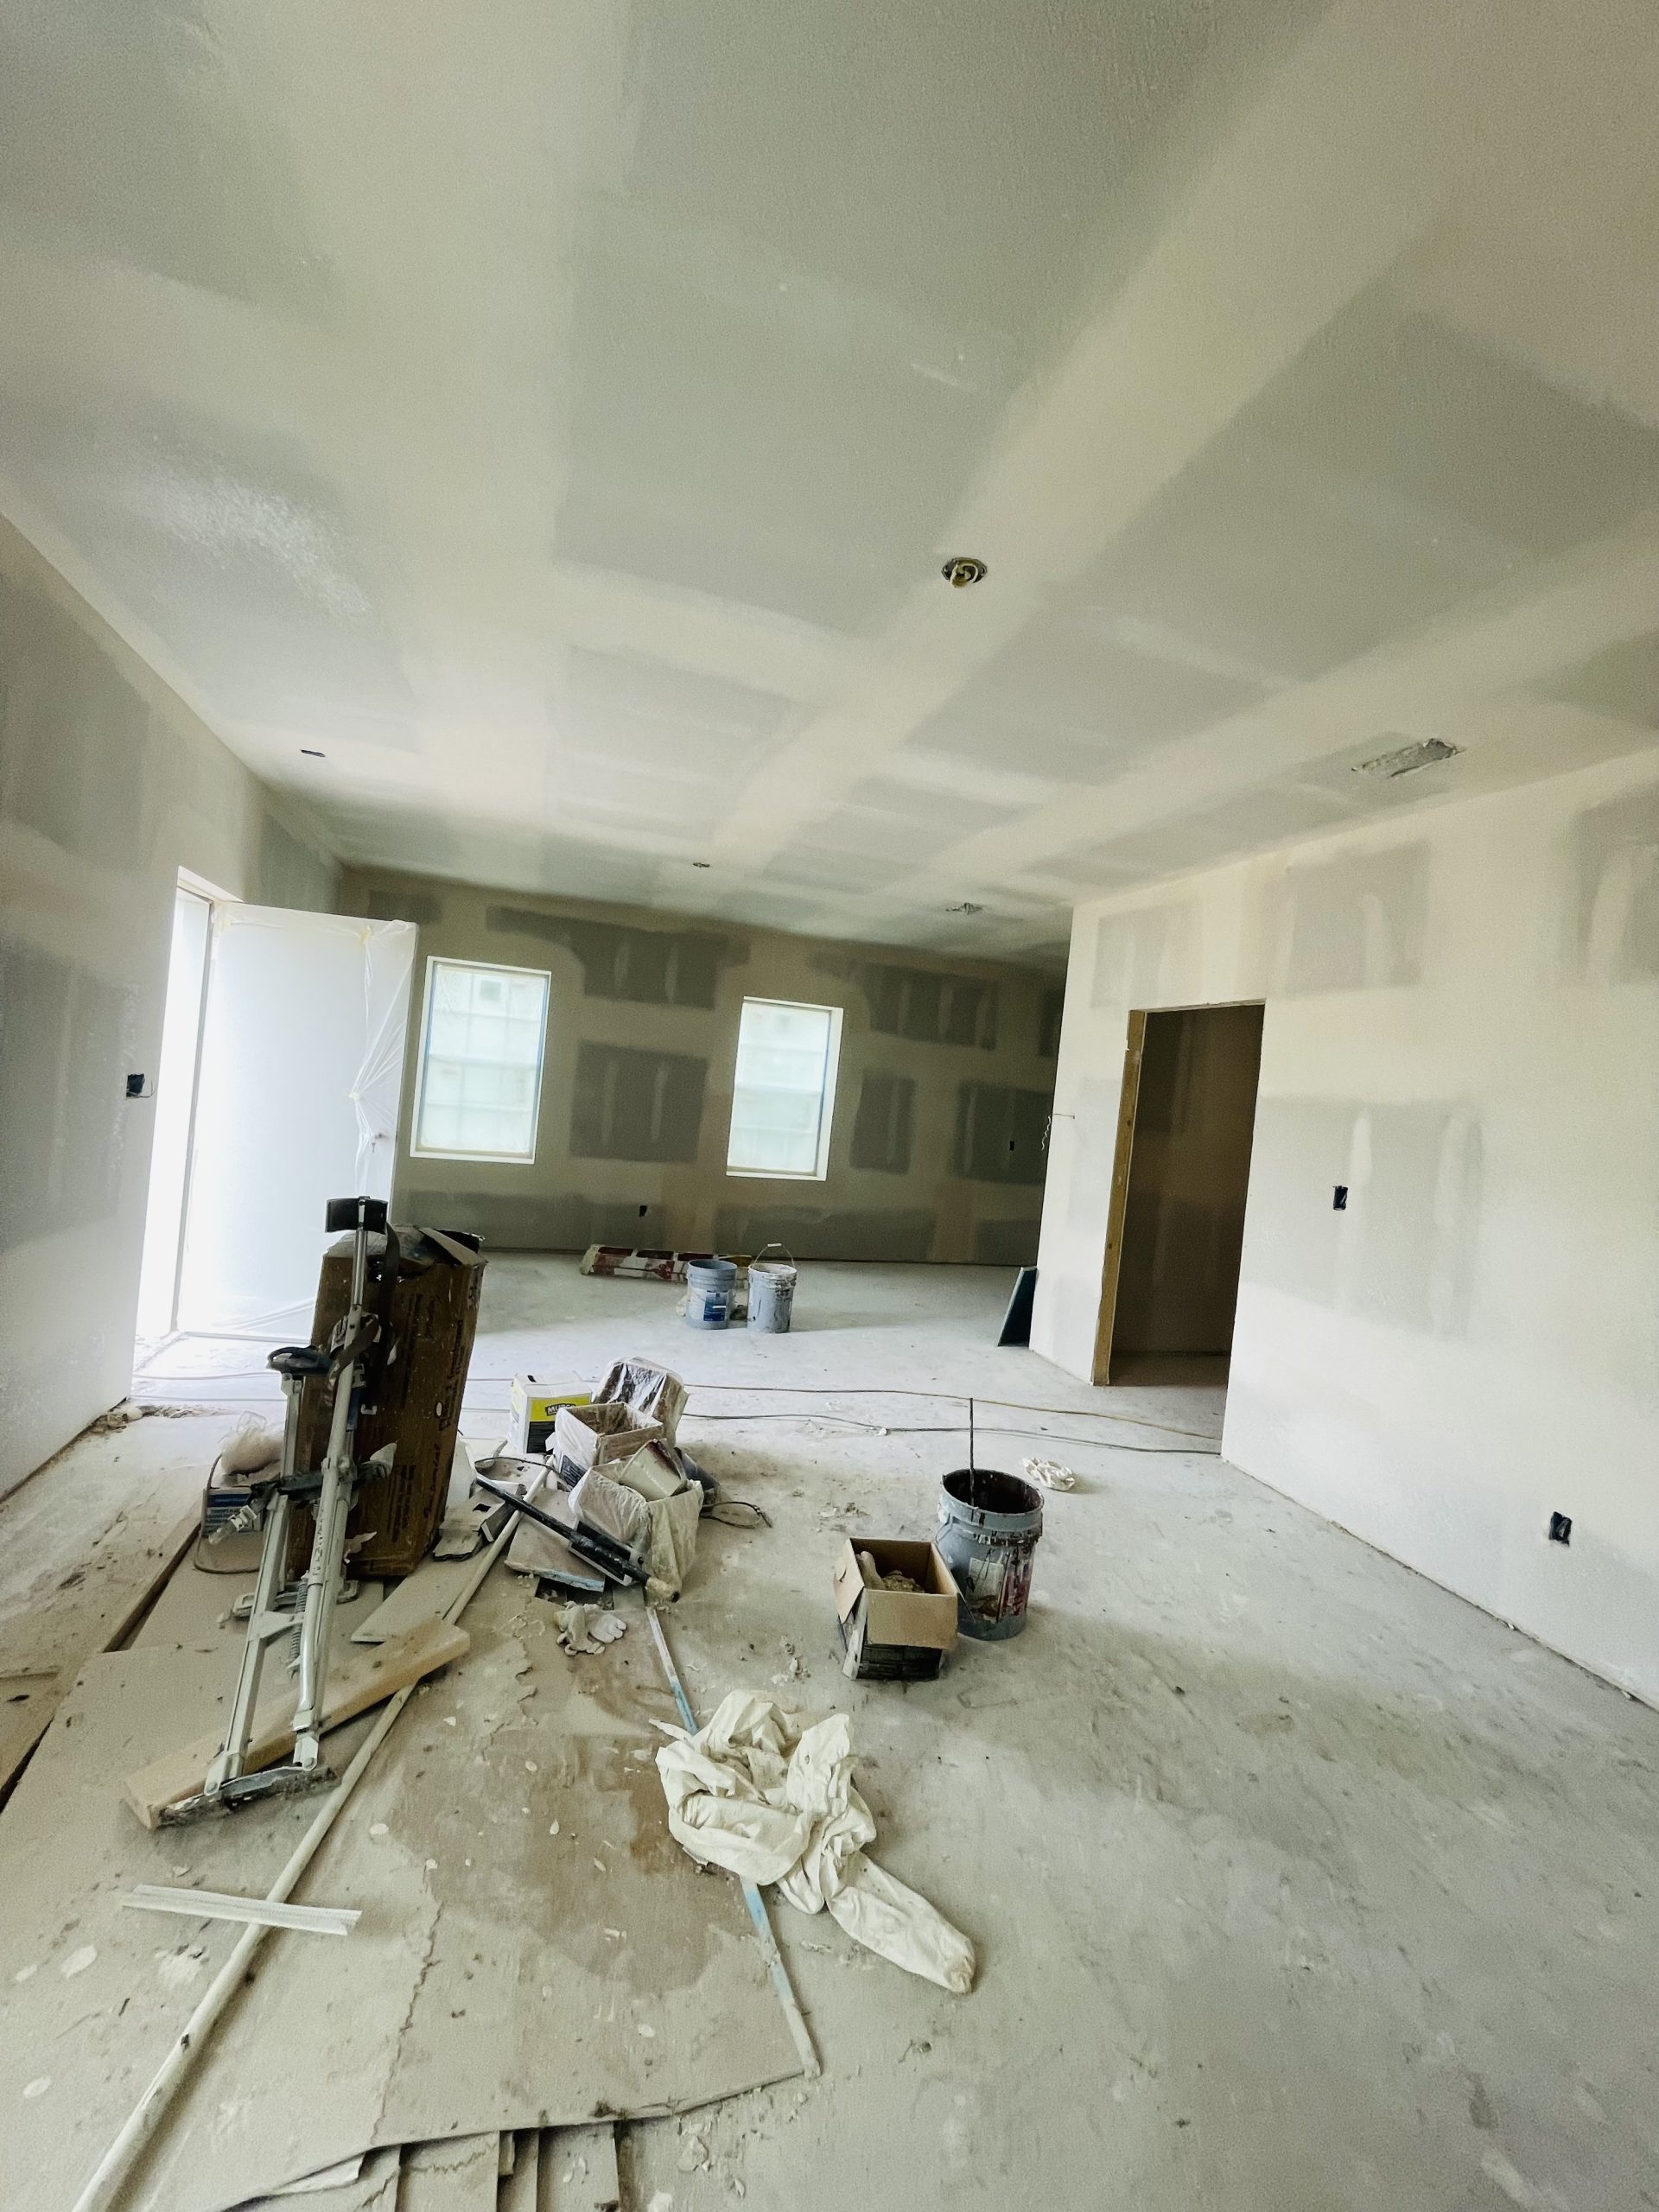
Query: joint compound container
pixel 771 1292
pixel 988 1528
pixel 709 1292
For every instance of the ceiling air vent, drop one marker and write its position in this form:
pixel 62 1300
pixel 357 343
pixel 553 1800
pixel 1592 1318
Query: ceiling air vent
pixel 1407 758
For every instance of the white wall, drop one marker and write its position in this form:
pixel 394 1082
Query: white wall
pixel 108 786
pixel 1462 1025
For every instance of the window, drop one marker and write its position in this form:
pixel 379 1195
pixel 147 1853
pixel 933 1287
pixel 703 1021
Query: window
pixel 784 1089
pixel 481 1074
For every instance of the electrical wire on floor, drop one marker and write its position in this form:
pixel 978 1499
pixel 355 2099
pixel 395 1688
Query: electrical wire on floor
pixel 978 1428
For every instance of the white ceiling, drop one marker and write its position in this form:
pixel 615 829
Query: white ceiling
pixel 557 412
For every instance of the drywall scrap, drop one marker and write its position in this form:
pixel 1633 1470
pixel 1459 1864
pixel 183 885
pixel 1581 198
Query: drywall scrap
pixel 532 1946
pixel 95 1608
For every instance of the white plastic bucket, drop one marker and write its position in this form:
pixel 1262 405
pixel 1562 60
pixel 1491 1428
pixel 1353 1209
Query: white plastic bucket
pixel 771 1292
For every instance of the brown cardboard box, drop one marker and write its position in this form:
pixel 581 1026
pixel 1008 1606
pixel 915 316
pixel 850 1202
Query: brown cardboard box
pixel 895 1635
pixel 417 1400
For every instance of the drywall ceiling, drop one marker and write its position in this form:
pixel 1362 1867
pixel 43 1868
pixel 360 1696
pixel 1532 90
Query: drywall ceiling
pixel 555 415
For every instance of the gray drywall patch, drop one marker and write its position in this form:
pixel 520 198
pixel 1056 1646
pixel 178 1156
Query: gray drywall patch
pixel 64 1040
pixel 74 735
pixel 1622 683
pixel 291 873
pixel 1615 851
pixel 1008 1244
pixel 810 1235
pixel 1393 468
pixel 1404 1250
pixel 424 908
pixel 883 1127
pixel 926 1005
pixel 1001 1134
pixel 1355 924
pixel 1141 957
pixel 649 967
pixel 632 1104
pixel 1050 1013
pixel 109 126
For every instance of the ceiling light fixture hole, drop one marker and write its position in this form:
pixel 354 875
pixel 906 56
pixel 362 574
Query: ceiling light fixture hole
pixel 963 569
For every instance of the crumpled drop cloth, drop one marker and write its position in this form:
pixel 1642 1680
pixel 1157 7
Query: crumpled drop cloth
pixel 752 1793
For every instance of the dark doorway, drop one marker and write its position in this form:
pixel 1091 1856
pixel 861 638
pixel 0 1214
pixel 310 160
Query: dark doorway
pixel 1170 1284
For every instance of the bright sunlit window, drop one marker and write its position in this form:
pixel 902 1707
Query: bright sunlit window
pixel 480 1077
pixel 784 1089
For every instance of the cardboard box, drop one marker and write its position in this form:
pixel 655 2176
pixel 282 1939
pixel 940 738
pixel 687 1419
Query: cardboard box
pixel 416 1399
pixel 532 1406
pixel 895 1635
pixel 587 1435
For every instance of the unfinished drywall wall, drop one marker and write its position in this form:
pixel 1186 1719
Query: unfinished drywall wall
pixel 938 1143
pixel 1462 1027
pixel 1184 1218
pixel 108 786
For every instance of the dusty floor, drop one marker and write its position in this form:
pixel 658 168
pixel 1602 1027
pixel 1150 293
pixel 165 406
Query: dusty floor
pixel 1297 1882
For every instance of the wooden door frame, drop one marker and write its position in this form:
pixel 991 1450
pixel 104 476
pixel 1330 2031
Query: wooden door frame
pixel 1134 1052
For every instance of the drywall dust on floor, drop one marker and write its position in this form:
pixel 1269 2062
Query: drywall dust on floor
pixel 1297 1882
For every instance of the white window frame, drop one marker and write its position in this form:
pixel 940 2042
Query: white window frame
pixel 418 1151
pixel 819 1172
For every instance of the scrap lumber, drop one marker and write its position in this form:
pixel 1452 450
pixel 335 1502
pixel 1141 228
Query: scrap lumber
pixel 42 1653
pixel 367 1678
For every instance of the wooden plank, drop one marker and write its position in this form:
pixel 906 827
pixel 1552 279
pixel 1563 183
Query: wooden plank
pixel 458 2175
pixel 366 1679
pixel 580 2164
pixel 1111 1267
pixel 30 1694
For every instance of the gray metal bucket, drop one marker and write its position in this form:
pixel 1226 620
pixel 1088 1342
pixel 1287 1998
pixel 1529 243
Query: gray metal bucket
pixel 709 1292
pixel 771 1291
pixel 988 1528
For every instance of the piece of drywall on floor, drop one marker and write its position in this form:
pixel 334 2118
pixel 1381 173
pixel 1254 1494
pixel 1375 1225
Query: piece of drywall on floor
pixel 946 1077
pixel 1183 1220
pixel 109 785
pixel 1462 1030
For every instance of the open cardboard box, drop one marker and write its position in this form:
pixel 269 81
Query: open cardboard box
pixel 597 1436
pixel 895 1635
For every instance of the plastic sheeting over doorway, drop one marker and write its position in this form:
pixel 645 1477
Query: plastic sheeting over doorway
pixel 301 1080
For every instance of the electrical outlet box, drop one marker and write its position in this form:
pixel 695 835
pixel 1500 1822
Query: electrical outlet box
pixel 1339 1198
pixel 1561 1528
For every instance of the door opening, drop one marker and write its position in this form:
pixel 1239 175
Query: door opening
pixel 1176 1226
pixel 176 1077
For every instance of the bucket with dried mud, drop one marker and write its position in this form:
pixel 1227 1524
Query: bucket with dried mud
pixel 708 1292
pixel 988 1528
pixel 771 1292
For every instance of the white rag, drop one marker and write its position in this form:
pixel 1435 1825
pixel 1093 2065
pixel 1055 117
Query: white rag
pixel 1051 1474
pixel 753 1794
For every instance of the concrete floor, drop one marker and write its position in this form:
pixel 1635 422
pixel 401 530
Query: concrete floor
pixel 1297 1882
